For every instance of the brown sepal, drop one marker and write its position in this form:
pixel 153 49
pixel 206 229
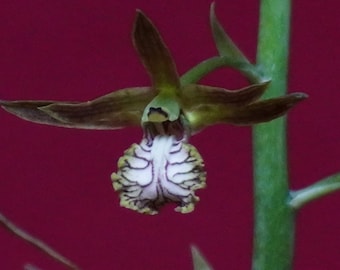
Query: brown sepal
pixel 154 53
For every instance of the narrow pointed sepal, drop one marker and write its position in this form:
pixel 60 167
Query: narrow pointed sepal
pixel 155 55
pixel 118 109
pixel 253 113
pixel 29 110
pixel 159 171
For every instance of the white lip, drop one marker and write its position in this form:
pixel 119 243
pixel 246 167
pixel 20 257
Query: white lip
pixel 159 171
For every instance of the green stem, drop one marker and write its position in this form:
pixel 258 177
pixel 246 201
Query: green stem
pixel 274 218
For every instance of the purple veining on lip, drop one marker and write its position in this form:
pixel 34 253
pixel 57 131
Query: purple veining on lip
pixel 159 171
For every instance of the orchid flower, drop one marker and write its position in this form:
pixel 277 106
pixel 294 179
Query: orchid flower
pixel 163 167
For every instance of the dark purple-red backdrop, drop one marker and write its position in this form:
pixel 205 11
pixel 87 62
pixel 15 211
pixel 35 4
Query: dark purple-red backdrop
pixel 55 182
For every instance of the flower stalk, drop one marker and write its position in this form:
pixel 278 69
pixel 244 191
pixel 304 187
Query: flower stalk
pixel 274 218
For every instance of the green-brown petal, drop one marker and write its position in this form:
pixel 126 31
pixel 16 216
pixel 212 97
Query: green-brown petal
pixel 118 109
pixel 253 113
pixel 194 95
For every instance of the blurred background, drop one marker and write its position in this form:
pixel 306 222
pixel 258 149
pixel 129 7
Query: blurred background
pixel 55 182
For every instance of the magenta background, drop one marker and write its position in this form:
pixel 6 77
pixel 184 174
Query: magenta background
pixel 55 182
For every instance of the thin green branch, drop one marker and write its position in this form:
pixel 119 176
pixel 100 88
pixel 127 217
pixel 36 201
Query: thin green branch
pixel 252 73
pixel 318 190
pixel 10 226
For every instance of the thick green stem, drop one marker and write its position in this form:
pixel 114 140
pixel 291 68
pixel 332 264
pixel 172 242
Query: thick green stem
pixel 274 218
